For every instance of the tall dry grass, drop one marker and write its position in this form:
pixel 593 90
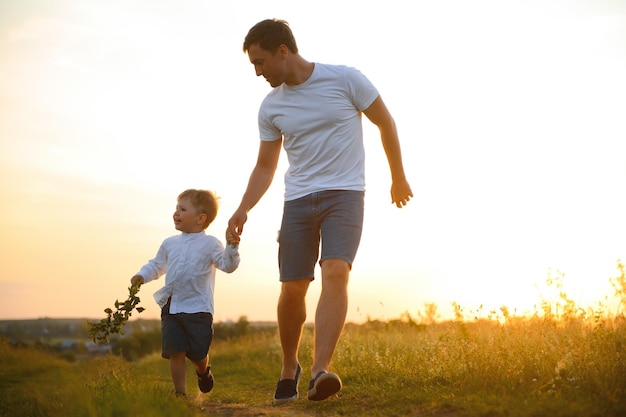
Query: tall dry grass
pixel 563 360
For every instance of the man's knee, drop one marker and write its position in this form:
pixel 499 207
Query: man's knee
pixel 336 270
pixel 295 288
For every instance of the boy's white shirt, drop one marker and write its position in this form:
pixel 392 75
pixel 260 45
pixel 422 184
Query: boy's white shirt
pixel 189 262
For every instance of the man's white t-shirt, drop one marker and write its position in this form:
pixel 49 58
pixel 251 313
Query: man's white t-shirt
pixel 320 123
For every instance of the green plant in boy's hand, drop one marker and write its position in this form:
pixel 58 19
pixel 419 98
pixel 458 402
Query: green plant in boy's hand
pixel 115 320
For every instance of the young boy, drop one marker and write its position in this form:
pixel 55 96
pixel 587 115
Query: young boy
pixel 188 261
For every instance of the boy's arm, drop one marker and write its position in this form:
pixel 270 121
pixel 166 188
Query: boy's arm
pixel 153 269
pixel 226 259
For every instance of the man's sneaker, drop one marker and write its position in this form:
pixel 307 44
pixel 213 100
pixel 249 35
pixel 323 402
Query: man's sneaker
pixel 205 381
pixel 287 389
pixel 323 386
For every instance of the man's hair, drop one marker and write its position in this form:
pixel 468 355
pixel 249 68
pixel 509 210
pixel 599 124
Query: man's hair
pixel 270 34
pixel 203 201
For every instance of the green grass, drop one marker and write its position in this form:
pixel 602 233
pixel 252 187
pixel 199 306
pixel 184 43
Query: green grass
pixel 524 367
pixel 563 361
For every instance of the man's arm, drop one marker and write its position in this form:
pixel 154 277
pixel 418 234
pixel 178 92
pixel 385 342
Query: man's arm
pixel 260 180
pixel 378 114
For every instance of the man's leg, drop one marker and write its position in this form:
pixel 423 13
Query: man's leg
pixel 330 315
pixel 291 317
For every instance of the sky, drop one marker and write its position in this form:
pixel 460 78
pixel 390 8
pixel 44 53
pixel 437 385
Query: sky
pixel 511 116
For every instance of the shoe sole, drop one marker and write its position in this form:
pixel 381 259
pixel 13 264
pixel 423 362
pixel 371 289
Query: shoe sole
pixel 325 385
pixel 285 400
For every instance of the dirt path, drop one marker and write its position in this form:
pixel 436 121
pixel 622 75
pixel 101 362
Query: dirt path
pixel 243 410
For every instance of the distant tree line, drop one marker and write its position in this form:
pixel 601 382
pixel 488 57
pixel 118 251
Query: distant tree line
pixel 69 337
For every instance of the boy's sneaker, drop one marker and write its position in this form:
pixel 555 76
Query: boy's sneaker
pixel 323 386
pixel 205 381
pixel 287 389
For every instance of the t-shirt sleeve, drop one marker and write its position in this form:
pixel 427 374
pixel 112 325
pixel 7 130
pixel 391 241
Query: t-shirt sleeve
pixel 267 131
pixel 362 91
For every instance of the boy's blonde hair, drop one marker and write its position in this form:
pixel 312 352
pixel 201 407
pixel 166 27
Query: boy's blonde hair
pixel 203 201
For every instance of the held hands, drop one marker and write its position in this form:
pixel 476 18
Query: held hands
pixel 400 192
pixel 232 238
pixel 235 226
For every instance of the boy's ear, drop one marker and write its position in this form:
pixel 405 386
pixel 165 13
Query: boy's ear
pixel 202 218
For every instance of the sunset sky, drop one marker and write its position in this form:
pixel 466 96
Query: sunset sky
pixel 511 114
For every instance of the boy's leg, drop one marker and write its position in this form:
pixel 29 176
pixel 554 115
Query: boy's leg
pixel 178 370
pixel 199 328
pixel 201 365
pixel 291 313
pixel 205 377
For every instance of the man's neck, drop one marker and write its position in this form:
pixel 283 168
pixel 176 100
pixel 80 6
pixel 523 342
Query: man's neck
pixel 301 71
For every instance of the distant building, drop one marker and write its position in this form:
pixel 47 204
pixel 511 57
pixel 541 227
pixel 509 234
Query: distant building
pixel 96 349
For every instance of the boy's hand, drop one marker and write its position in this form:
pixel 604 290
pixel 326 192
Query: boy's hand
pixel 136 279
pixel 232 238
pixel 236 222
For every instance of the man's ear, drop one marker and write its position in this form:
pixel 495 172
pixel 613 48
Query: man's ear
pixel 283 51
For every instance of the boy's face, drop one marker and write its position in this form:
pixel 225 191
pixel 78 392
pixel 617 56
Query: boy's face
pixel 186 217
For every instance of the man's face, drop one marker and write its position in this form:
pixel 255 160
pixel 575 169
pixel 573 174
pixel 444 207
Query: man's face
pixel 271 66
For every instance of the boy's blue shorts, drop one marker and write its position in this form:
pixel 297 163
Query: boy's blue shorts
pixel 191 333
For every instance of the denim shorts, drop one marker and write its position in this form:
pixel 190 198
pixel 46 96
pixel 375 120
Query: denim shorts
pixel 191 333
pixel 334 218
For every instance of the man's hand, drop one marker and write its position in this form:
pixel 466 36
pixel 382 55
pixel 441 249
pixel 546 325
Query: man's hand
pixel 235 224
pixel 401 192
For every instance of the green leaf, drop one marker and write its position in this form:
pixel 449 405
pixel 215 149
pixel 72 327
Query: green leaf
pixel 115 320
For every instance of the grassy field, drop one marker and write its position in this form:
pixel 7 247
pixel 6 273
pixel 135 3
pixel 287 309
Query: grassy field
pixel 525 367
pixel 561 361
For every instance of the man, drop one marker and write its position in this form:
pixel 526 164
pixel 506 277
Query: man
pixel 314 112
